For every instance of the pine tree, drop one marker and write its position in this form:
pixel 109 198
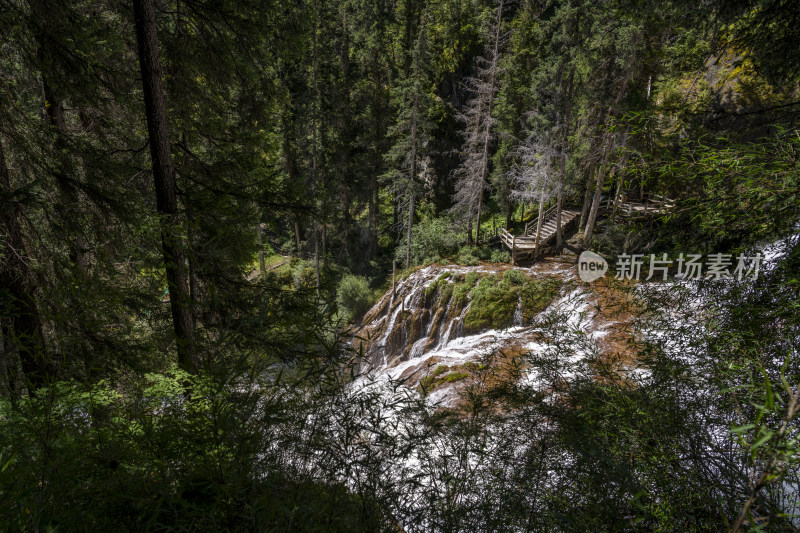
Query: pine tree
pixel 412 132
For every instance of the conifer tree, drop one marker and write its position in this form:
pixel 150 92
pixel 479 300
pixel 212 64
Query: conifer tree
pixel 412 131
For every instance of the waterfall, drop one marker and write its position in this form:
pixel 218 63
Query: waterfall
pixel 518 313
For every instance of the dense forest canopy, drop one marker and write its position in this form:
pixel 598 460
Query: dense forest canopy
pixel 201 199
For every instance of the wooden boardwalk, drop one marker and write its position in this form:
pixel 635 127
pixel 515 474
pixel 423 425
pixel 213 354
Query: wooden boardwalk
pixel 526 244
pixel 628 206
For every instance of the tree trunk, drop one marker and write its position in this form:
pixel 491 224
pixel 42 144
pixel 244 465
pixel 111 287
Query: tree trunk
pixel 24 331
pixel 412 180
pixel 54 114
pixel 487 135
pixel 598 189
pixel 164 181
pixel 478 218
pixel 297 236
pixel 316 258
pixel 540 219
pixel 410 223
pixel 620 179
pixel 587 234
pixel 260 249
pixel 587 198
pixel 559 205
pixel 563 177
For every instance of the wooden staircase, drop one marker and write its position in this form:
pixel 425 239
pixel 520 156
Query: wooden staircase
pixel 526 244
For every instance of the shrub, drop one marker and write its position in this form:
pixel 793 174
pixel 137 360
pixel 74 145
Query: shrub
pixel 499 256
pixel 467 260
pixel 289 247
pixel 354 295
pixel 472 255
pixel 430 241
pixel 515 277
pixel 303 274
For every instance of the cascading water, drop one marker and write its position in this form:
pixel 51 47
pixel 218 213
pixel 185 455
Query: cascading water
pixel 430 334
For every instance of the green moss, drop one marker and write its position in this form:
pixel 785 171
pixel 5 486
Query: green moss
pixel 427 384
pixel 439 375
pixel 472 366
pixel 445 293
pixel 462 289
pixel 452 377
pixel 537 295
pixel 493 305
pixel 441 369
pixel 440 286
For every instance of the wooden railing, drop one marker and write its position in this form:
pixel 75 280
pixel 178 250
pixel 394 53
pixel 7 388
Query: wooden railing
pixel 530 227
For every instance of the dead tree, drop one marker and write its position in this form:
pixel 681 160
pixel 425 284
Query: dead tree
pixel 471 175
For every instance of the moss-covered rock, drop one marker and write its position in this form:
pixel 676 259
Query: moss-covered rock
pixel 441 374
pixel 494 300
pixel 537 294
pixel 492 305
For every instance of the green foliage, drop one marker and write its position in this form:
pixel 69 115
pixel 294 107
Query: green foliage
pixel 354 295
pixel 537 294
pixel 306 117
pixel 748 191
pixel 466 258
pixel 439 376
pixel 492 305
pixel 500 256
pixel 431 241
pixel 494 300
pixel 514 276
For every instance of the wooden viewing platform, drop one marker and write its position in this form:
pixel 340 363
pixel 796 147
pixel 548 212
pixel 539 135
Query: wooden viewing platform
pixel 526 244
pixel 628 206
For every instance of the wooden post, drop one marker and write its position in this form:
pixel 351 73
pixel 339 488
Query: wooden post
pixel 513 250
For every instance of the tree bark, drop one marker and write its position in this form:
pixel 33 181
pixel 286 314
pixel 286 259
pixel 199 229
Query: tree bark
pixel 587 199
pixel 559 205
pixel 260 249
pixel 487 136
pixel 316 258
pixel 563 177
pixel 164 181
pixel 598 189
pixel 24 331
pixel 540 219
